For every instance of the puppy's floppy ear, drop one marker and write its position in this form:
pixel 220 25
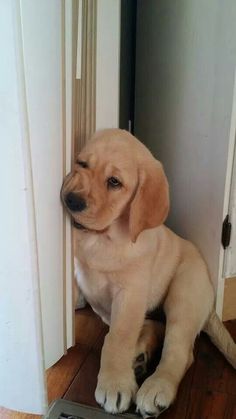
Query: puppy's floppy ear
pixel 150 205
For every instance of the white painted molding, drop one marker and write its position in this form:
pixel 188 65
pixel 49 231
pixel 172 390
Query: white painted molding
pixel 86 86
pixel 79 40
pixel 229 266
pixel 108 64
pixel 69 76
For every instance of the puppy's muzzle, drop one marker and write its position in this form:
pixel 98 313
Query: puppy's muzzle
pixel 75 202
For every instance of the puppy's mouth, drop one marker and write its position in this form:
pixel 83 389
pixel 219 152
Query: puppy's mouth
pixel 75 224
pixel 79 226
pixel 84 228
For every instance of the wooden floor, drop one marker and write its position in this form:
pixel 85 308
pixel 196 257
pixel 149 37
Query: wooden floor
pixel 208 390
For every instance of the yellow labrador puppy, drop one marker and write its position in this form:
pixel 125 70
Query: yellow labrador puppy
pixel 130 263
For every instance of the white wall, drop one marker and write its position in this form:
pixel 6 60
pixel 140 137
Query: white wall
pixel 186 58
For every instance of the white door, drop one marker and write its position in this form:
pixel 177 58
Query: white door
pixel 35 240
pixel 42 32
pixel 21 349
pixel 185 69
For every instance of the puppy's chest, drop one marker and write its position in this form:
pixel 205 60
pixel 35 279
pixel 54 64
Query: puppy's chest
pixel 98 290
pixel 101 254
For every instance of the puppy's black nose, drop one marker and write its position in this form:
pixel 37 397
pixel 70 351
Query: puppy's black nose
pixel 75 202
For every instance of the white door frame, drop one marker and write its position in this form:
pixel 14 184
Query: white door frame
pixel 108 64
pixel 229 265
pixel 228 256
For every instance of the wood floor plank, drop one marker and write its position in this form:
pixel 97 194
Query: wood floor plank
pixel 82 388
pixel 211 405
pixel 61 374
pixel 88 327
pixel 212 371
pixel 208 390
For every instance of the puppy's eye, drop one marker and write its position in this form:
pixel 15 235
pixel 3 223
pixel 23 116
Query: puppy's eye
pixel 82 164
pixel 113 182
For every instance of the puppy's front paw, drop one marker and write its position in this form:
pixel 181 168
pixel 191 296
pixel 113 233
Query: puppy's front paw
pixel 154 396
pixel 115 392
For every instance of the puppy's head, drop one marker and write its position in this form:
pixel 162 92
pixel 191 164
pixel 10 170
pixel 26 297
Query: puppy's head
pixel 116 175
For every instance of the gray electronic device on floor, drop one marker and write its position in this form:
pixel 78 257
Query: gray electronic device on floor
pixel 64 409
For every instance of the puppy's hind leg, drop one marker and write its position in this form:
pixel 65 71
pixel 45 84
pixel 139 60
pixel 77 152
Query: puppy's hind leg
pixel 150 340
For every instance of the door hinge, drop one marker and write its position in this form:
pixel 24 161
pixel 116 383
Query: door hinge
pixel 226 232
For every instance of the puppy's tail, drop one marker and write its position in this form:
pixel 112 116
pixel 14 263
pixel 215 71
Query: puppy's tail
pixel 221 338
